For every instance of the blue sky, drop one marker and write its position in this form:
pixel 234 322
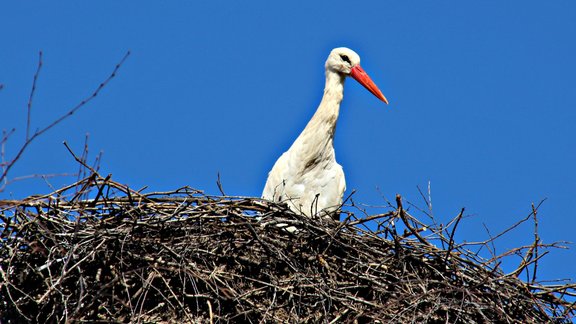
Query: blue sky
pixel 482 100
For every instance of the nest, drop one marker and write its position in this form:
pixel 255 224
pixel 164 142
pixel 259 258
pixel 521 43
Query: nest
pixel 97 251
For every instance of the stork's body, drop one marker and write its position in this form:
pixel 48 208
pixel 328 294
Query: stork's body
pixel 307 176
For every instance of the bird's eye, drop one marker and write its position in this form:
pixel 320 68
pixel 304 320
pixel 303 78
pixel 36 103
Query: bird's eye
pixel 345 58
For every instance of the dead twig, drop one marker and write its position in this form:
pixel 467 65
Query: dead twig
pixel 99 251
pixel 32 91
pixel 37 133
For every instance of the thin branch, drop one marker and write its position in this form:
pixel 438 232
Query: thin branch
pixel 369 218
pixel 427 200
pixel 536 243
pixel 32 91
pixel 97 160
pixel 47 176
pixel 451 242
pixel 60 119
pixel 6 135
pixel 83 157
pixel 167 253
pixel 523 220
pixel 3 164
pixel 87 100
pixel 490 241
pixel 219 184
pixel 79 159
pixel 402 215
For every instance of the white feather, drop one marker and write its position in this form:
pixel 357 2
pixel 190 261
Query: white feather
pixel 307 176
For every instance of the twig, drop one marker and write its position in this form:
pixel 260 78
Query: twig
pixel 6 135
pixel 60 119
pixel 32 176
pixel 84 158
pixel 402 215
pixel 148 257
pixel 211 314
pixel 427 201
pixel 370 218
pixel 451 242
pixel 536 243
pixel 219 184
pixel 32 91
pixel 518 222
pixel 78 159
pixel 490 241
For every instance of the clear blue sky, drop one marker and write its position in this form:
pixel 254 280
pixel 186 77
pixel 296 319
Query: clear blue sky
pixel 482 100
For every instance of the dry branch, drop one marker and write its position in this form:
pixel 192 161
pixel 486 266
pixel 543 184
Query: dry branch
pixel 7 165
pixel 99 251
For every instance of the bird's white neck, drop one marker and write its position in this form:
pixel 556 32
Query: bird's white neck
pixel 326 115
pixel 317 138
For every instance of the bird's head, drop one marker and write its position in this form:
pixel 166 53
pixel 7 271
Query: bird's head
pixel 345 61
pixel 342 60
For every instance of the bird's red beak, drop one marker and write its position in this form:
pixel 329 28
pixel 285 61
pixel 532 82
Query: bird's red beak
pixel 359 75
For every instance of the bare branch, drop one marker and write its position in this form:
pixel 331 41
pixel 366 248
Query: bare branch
pixel 402 215
pixel 80 160
pixel 451 241
pixel 41 131
pixel 6 135
pixel 536 243
pixel 219 184
pixel 3 163
pixel 32 91
pixel 183 256
pixel 518 223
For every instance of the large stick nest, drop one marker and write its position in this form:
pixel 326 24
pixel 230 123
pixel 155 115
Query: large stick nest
pixel 98 251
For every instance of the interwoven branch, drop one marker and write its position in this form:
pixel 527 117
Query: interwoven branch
pixel 183 256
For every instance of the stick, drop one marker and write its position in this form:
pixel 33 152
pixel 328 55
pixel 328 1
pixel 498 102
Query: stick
pixel 32 94
pixel 61 118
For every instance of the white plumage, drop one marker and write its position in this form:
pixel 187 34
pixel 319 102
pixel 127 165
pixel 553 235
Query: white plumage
pixel 307 176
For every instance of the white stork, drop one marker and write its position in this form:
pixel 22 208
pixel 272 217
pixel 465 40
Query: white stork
pixel 307 176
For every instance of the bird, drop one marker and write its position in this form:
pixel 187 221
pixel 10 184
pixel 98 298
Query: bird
pixel 307 177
